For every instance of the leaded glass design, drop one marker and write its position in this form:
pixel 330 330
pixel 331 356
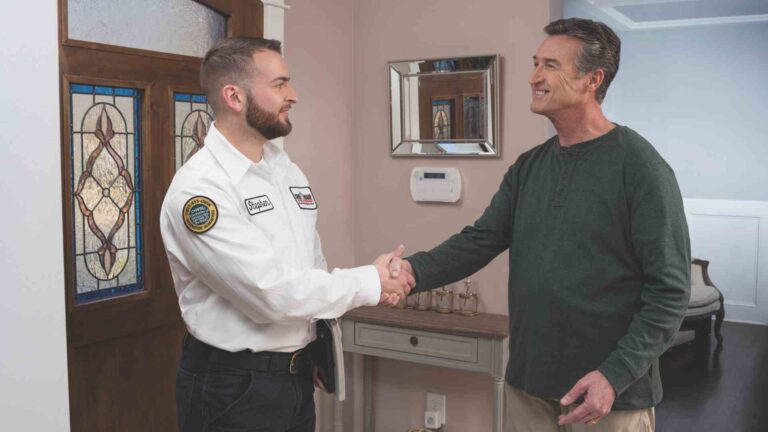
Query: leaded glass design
pixel 171 26
pixel 441 119
pixel 474 117
pixel 192 119
pixel 106 190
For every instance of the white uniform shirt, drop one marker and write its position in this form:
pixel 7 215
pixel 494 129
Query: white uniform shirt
pixel 245 256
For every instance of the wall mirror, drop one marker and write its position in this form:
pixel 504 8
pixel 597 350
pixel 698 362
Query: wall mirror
pixel 445 107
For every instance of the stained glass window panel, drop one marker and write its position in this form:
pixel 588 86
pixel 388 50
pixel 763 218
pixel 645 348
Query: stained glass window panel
pixel 192 119
pixel 106 191
pixel 441 119
pixel 172 26
pixel 474 117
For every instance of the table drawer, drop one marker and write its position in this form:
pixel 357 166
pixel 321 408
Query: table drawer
pixel 462 348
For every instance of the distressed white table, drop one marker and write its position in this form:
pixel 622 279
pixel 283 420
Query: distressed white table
pixel 476 344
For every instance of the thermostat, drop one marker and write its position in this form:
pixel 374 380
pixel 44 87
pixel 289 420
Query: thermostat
pixel 435 184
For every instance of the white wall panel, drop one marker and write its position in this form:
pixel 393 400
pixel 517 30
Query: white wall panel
pixel 733 237
pixel 33 350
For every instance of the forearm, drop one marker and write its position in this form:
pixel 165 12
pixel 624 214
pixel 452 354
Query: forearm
pixel 474 247
pixel 462 255
pixel 650 333
pixel 662 246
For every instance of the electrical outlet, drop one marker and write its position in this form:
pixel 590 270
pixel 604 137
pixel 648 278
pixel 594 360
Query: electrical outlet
pixel 436 403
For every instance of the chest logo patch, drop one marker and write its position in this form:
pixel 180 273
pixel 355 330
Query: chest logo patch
pixel 304 197
pixel 259 204
pixel 200 214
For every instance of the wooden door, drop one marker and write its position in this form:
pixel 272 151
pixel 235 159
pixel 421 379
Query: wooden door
pixel 119 154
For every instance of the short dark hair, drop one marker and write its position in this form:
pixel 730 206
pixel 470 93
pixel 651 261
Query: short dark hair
pixel 230 61
pixel 600 47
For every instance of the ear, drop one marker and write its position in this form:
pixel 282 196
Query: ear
pixel 595 79
pixel 233 97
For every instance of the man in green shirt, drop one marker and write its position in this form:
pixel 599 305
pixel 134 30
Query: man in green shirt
pixel 599 254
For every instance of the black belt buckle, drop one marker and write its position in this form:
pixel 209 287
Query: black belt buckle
pixel 293 367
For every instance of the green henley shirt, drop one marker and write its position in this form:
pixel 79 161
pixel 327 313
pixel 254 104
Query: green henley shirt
pixel 599 264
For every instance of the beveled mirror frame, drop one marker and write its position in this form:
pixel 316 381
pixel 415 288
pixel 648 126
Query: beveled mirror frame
pixel 402 142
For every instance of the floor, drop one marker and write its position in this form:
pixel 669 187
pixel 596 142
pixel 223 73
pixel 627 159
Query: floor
pixel 726 392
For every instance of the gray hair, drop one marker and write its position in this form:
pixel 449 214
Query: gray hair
pixel 600 47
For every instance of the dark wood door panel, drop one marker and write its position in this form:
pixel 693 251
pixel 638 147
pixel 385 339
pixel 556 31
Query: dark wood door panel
pixel 127 383
pixel 120 320
pixel 123 351
pixel 131 64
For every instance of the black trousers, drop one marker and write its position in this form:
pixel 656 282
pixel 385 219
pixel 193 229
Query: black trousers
pixel 218 391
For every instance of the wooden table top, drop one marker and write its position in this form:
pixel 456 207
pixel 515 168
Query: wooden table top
pixel 488 325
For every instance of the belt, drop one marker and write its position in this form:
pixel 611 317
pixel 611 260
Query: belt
pixel 263 361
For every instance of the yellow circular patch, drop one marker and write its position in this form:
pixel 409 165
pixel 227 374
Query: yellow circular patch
pixel 200 214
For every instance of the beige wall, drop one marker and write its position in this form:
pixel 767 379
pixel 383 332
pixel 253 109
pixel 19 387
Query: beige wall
pixel 384 212
pixel 341 140
pixel 318 49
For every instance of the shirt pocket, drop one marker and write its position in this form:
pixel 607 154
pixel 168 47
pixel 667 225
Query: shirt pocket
pixel 270 220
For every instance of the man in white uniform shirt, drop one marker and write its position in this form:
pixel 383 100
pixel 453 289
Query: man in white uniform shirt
pixel 238 224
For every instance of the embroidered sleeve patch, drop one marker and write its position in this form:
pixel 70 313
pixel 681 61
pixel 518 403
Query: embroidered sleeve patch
pixel 200 214
pixel 304 197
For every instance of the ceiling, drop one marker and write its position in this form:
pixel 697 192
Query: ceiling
pixel 648 14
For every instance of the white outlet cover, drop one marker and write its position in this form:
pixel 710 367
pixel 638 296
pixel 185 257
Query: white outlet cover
pixel 436 402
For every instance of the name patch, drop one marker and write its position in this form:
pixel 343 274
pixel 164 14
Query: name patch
pixel 259 204
pixel 200 214
pixel 304 197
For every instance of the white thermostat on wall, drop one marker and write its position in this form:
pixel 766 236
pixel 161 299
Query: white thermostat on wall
pixel 435 184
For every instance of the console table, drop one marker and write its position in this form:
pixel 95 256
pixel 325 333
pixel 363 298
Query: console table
pixel 476 344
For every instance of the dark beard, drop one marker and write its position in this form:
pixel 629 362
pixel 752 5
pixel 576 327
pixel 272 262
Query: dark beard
pixel 267 123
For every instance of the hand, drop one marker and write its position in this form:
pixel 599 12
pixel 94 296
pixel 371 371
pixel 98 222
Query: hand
pixel 397 264
pixel 393 288
pixel 598 399
pixel 316 377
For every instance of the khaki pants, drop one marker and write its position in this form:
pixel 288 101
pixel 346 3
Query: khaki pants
pixel 525 413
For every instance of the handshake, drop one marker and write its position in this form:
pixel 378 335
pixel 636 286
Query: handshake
pixel 396 276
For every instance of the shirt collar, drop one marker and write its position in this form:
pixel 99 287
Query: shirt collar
pixel 235 163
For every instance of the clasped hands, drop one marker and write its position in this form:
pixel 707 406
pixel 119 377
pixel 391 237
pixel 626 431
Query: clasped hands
pixel 395 275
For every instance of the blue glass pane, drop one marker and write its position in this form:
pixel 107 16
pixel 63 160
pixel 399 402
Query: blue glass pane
pixel 81 88
pixel 199 99
pixel 104 90
pixel 107 293
pixel 125 92
pixel 182 97
pixel 106 191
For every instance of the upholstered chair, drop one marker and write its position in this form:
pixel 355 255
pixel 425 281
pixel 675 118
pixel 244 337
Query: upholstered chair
pixel 706 301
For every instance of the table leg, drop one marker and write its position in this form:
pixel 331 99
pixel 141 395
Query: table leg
pixel 368 393
pixel 498 404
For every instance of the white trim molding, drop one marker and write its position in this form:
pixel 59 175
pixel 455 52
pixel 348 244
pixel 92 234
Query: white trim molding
pixel 274 28
pixel 691 22
pixel 609 8
pixel 274 19
pixel 276 3
pixel 733 237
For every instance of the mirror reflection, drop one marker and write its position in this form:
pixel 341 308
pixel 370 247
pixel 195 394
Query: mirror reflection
pixel 444 107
